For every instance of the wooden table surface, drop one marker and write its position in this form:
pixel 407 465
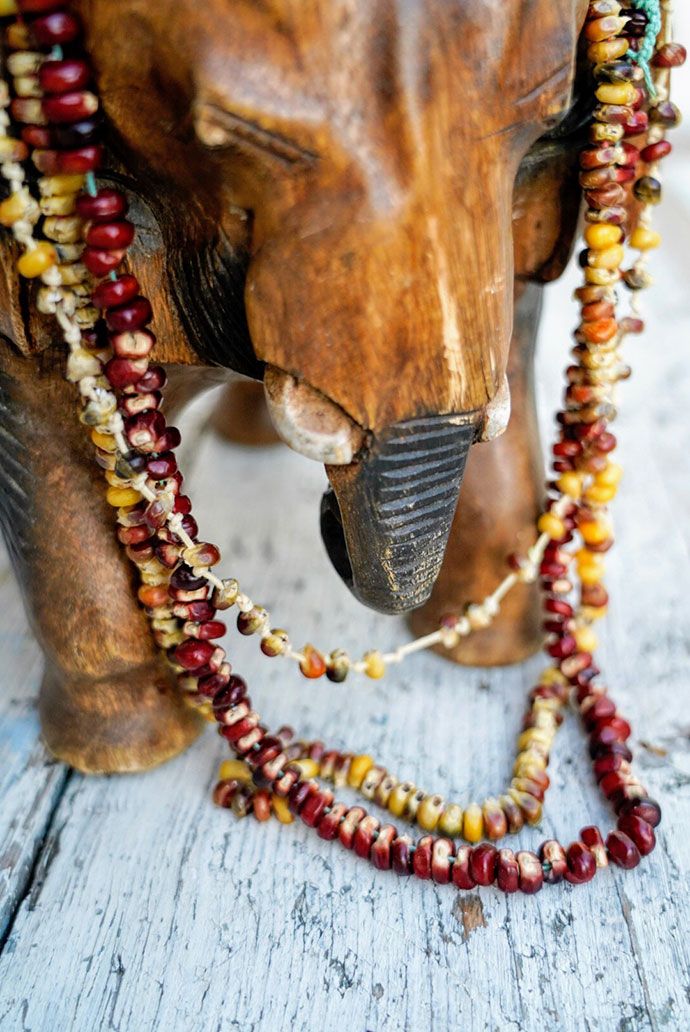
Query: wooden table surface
pixel 133 904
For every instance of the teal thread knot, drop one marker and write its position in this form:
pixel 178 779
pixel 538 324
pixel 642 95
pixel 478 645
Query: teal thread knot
pixel 642 57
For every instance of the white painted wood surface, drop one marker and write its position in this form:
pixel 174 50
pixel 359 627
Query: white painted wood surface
pixel 133 904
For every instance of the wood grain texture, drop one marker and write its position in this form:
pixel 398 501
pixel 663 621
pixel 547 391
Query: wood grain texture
pixel 132 904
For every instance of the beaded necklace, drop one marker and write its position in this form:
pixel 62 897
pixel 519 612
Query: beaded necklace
pixel 104 320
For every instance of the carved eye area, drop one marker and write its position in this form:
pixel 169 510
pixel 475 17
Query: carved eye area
pixel 218 129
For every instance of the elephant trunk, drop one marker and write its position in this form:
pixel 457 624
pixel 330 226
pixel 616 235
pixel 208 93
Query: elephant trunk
pixel 386 520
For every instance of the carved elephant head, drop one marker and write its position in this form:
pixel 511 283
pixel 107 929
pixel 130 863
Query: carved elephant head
pixel 328 192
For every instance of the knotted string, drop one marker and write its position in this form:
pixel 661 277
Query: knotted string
pixel 642 56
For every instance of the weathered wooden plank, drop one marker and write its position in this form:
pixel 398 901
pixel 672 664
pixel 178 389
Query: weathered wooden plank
pixel 30 784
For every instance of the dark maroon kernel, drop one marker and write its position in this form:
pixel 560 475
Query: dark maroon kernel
pixel 129 317
pixel 110 236
pixel 648 809
pixel 421 861
pixel 107 205
pixel 233 692
pixel 154 379
pixel 641 833
pixel 55 29
pixel 402 856
pixel 581 864
pixel 110 293
pixel 483 860
pixel 622 850
pixel 184 578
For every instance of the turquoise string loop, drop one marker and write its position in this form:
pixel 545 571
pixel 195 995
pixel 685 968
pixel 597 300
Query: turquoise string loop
pixel 643 56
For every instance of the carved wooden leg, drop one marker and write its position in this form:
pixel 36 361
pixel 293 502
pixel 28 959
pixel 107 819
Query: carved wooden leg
pixel 499 504
pixel 241 415
pixel 107 702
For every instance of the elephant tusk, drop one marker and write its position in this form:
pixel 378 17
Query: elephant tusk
pixel 309 422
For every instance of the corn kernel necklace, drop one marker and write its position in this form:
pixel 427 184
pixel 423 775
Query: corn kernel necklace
pixel 85 239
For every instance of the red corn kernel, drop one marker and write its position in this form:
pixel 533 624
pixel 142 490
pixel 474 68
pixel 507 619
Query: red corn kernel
pixel 76 135
pixel 565 646
pixel 55 29
pixel 636 123
pixel 207 631
pixel 107 205
pixel 556 605
pixel 161 466
pixel 483 860
pixel 224 793
pixel 36 136
pixel 591 837
pixel 364 836
pixel 182 505
pixel 531 876
pixel 63 76
pixel 261 805
pixel 554 862
pixel 381 849
pixel 39 6
pixel 129 317
pixel 421 861
pixel 100 262
pixel 121 372
pixel 328 825
pixel 77 162
pixel 600 708
pixel 312 811
pixel 110 293
pixel 507 871
pixel 111 236
pixel 234 690
pixel 133 535
pixel 648 809
pixel 461 875
pixel 581 864
pixel 609 763
pixel 144 429
pixel 193 654
pixel 401 855
pixel 154 379
pixel 670 55
pixel 298 795
pixel 622 850
pixel 442 853
pixel 70 107
pixel 652 152
pixel 200 612
pixel 346 832
pixel 637 829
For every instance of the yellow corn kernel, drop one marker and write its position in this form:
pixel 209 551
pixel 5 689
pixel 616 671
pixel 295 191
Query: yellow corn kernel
pixel 599 495
pixel 17 34
pixel 600 235
pixel 429 812
pixel 113 479
pixel 586 639
pixel 607 50
pixel 399 796
pixel 601 277
pixel 610 258
pixel 570 484
pixel 104 441
pixel 12 209
pixel 616 93
pixel 551 525
pixel 593 612
pixel 450 821
pixel 281 809
pixel 206 710
pixel 552 676
pixel 309 767
pixel 117 496
pixel 594 532
pixel 644 239
pixel 374 665
pixel 473 823
pixel 234 770
pixel 34 262
pixel 7 7
pixel 534 736
pixel 51 186
pixel 611 476
pixel 359 767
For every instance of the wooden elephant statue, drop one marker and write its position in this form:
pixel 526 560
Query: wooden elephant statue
pixel 356 202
